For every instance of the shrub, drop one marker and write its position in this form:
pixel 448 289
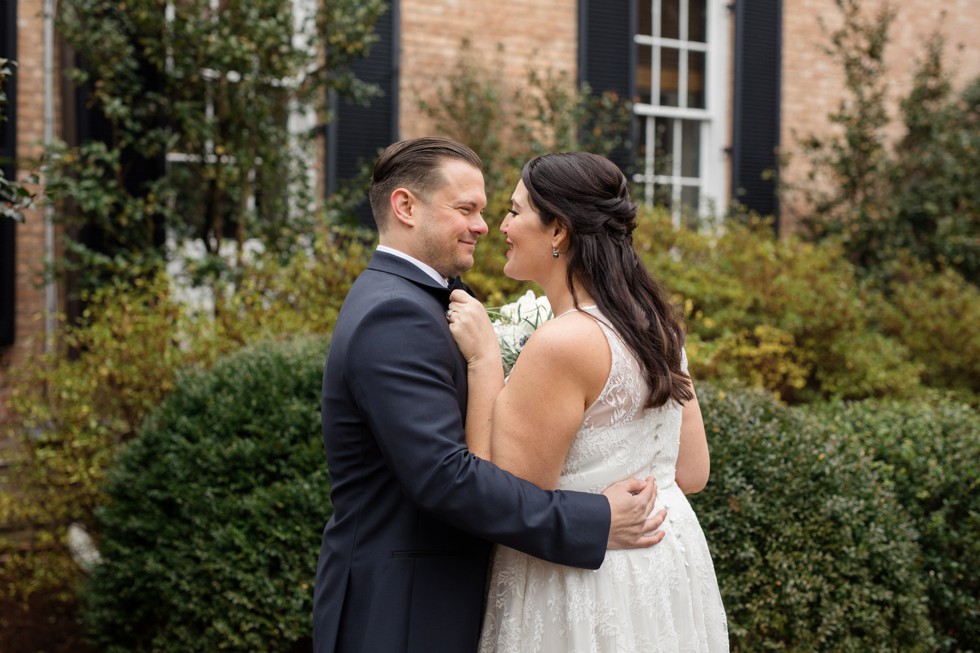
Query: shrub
pixel 210 535
pixel 812 552
pixel 778 313
pixel 72 410
pixel 929 312
pixel 930 455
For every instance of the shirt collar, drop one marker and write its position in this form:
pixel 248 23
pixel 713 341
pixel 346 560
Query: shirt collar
pixel 428 269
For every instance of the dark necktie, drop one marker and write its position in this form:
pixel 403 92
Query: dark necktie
pixel 457 283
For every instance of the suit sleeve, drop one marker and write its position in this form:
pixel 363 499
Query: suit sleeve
pixel 400 364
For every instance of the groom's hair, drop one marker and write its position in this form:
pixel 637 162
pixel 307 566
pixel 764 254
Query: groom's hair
pixel 413 164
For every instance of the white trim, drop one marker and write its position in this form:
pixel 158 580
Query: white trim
pixel 713 118
pixel 683 113
pixel 715 132
pixel 646 39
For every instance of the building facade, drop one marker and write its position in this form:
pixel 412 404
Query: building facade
pixel 724 91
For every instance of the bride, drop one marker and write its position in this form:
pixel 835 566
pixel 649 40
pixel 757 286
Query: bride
pixel 599 393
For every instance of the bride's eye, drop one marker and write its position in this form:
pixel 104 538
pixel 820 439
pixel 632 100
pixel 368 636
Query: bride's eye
pixel 512 211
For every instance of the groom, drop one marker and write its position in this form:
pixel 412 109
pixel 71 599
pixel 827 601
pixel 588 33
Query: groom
pixel 404 557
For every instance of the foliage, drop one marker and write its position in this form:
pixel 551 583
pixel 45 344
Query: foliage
pixel 932 183
pixel 930 455
pixel 916 198
pixel 778 313
pixel 174 84
pixel 812 550
pixel 210 535
pixel 14 198
pixel 72 411
pixel 929 312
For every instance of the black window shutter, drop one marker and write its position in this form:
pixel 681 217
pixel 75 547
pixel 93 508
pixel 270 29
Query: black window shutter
pixel 8 155
pixel 357 133
pixel 755 144
pixel 606 56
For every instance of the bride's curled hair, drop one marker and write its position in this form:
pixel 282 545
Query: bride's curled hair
pixel 589 196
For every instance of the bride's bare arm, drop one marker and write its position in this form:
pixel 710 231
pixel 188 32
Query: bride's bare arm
pixel 471 328
pixel 559 373
pixel 527 425
pixel 693 460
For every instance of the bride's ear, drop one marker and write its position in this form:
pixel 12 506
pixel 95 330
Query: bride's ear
pixel 559 237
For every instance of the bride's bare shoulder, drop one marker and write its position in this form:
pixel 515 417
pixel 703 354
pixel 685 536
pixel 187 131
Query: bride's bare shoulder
pixel 573 341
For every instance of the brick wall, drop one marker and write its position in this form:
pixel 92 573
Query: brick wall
pixel 529 33
pixel 29 74
pixel 812 84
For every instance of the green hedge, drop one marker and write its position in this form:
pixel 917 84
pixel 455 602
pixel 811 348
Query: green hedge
pixel 930 455
pixel 212 527
pixel 848 527
pixel 797 318
pixel 812 550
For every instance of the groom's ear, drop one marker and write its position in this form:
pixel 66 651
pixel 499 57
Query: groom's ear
pixel 404 206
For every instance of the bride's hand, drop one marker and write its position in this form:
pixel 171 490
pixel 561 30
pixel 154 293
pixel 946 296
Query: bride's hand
pixel 472 330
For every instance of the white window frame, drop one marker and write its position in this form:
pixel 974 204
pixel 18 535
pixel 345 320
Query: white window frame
pixel 300 120
pixel 713 119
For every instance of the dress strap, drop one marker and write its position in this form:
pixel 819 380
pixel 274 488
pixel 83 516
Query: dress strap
pixel 577 309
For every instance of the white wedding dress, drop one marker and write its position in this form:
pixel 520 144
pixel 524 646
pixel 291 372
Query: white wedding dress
pixel 664 598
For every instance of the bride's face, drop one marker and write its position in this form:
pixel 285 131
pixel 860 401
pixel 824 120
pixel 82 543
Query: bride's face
pixel 529 253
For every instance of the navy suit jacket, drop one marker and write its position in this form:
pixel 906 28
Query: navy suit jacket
pixel 403 563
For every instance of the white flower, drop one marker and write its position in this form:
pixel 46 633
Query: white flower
pixel 515 322
pixel 82 548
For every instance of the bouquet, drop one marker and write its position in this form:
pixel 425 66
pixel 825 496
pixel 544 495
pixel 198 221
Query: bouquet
pixel 515 322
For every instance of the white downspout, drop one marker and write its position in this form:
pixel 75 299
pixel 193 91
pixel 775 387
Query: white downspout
pixel 50 290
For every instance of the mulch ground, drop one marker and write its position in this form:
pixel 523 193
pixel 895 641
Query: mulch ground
pixel 47 624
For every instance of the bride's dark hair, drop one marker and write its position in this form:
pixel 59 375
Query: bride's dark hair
pixel 589 196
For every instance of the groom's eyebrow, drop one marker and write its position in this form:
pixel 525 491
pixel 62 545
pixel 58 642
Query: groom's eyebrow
pixel 470 204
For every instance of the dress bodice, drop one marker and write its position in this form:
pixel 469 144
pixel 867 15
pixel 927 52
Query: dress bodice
pixel 618 436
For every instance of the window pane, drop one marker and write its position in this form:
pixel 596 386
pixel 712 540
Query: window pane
pixel 690 209
pixel 697 21
pixel 664 146
pixel 645 22
pixel 695 80
pixel 644 64
pixel 691 148
pixel 669 59
pixel 670 19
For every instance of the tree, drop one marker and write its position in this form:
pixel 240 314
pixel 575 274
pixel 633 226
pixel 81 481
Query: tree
pixel 190 104
pixel 14 198
pixel 915 198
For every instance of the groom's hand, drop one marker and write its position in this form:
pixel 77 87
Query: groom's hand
pixel 631 502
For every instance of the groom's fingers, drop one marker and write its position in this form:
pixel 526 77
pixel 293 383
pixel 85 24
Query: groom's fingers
pixel 655 521
pixel 632 485
pixel 650 540
pixel 652 485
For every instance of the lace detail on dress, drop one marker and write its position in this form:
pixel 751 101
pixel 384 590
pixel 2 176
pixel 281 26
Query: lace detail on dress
pixel 661 599
pixel 624 393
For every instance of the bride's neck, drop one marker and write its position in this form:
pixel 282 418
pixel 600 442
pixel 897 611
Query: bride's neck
pixel 561 299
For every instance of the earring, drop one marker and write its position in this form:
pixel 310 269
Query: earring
pixel 554 252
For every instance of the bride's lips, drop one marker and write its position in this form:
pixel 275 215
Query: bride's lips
pixel 510 249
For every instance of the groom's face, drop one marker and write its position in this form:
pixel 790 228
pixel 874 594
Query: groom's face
pixel 451 219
